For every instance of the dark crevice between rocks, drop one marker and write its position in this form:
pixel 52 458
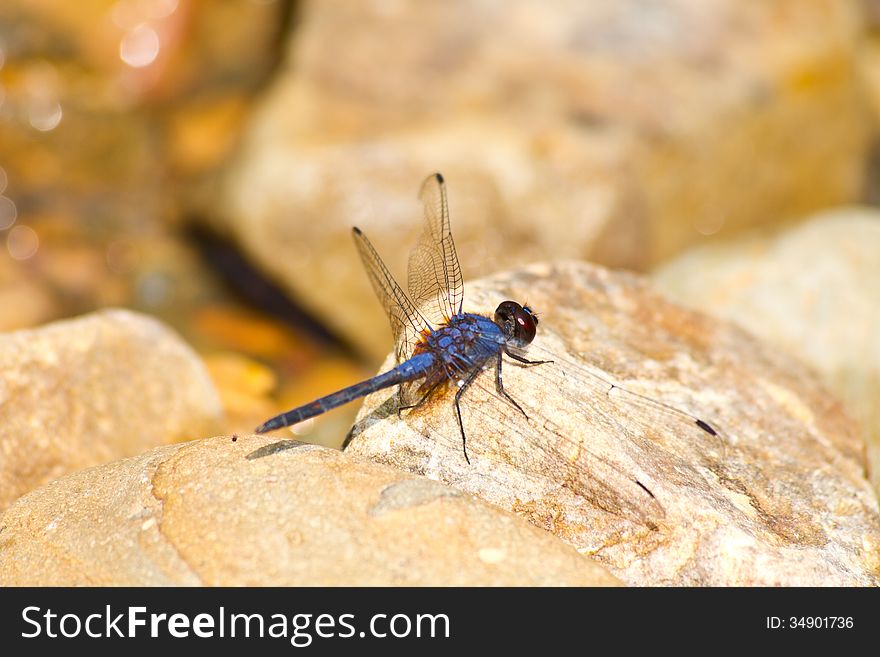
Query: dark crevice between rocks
pixel 247 284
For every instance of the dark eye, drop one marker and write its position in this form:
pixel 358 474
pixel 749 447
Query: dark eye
pixel 517 323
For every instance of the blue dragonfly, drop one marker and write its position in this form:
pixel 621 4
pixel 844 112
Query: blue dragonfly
pixel 437 344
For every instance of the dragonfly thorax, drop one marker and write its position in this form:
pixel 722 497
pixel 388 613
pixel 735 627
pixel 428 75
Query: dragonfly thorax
pixel 464 342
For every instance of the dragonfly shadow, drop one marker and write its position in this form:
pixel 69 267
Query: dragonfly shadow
pixel 275 448
pixel 386 409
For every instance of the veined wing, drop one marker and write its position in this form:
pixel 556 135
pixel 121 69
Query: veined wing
pixel 435 283
pixel 407 323
pixel 605 472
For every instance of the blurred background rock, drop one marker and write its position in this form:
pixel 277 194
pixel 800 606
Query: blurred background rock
pixel 110 113
pixel 165 155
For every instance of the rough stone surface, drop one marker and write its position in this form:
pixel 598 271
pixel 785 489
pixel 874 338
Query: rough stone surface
pixel 84 391
pixel 259 511
pixel 614 131
pixel 778 497
pixel 813 290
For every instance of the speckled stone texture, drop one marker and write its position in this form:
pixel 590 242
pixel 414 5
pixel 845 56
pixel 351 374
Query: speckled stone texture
pixel 812 290
pixel 778 497
pixel 262 511
pixel 79 392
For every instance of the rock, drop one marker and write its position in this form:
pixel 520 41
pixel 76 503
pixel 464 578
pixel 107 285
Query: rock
pixel 811 290
pixel 602 130
pixel 72 92
pixel 84 391
pixel 97 148
pixel 260 511
pixel 777 497
pixel 870 55
pixel 244 385
pixel 24 303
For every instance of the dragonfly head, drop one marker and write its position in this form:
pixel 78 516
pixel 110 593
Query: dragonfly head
pixel 518 323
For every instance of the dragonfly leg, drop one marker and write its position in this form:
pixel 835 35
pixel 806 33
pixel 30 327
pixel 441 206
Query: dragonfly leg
pixel 526 361
pixel 422 400
pixel 500 386
pixel 464 386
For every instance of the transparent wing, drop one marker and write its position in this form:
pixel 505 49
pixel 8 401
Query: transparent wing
pixel 435 283
pixel 614 391
pixel 605 474
pixel 407 323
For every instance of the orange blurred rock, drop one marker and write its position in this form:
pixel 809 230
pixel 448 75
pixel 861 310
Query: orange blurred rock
pixel 202 135
pixel 99 100
pixel 24 302
pixel 234 328
pixel 777 497
pixel 602 130
pixel 79 392
pixel 245 388
pixel 260 512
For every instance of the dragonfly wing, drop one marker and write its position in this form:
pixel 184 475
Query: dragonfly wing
pixel 610 393
pixel 407 323
pixel 435 282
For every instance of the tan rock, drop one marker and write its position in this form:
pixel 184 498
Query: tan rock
pixel 812 290
pixel 260 511
pixel 84 391
pixel 869 59
pixel 592 130
pixel 23 304
pixel 778 497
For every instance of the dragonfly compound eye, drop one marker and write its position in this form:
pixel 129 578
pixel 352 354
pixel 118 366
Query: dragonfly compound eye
pixel 518 324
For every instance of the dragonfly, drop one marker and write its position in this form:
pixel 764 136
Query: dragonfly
pixel 437 344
